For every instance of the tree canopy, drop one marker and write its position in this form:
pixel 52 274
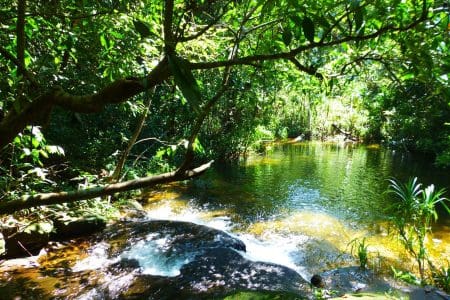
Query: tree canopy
pixel 202 79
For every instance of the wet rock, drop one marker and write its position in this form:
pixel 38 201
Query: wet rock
pixel 77 227
pixel 215 268
pixel 223 270
pixel 126 264
pixel 181 236
pixel 428 293
pixel 215 274
pixel 24 243
pixel 317 281
pixel 354 279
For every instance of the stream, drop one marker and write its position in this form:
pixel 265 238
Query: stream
pixel 267 223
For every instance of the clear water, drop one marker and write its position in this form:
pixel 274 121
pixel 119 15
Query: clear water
pixel 302 204
pixel 299 206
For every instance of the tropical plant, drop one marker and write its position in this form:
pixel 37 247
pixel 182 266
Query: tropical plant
pixel 441 277
pixel 405 276
pixel 359 248
pixel 412 216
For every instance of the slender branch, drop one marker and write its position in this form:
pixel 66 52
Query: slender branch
pixel 309 70
pixel 382 61
pixel 206 28
pixel 123 157
pixel 165 143
pixel 7 207
pixel 248 60
pixel 169 42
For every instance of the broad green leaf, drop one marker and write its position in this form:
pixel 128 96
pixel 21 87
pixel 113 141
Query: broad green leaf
pixel 287 36
pixel 185 80
pixel 103 41
pixel 142 28
pixel 408 76
pixel 308 29
pixel 35 142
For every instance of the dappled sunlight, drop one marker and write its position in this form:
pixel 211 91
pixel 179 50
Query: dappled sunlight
pixel 309 237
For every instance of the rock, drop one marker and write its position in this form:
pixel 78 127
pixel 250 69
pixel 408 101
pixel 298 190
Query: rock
pixel 182 236
pixel 26 243
pixel 428 293
pixel 215 268
pixel 77 227
pixel 222 270
pixel 216 273
pixel 317 281
pixel 354 279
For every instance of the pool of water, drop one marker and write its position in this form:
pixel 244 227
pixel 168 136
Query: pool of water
pixel 300 206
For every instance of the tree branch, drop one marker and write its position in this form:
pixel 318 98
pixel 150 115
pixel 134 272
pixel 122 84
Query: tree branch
pixel 249 60
pixel 123 89
pixel 7 207
pixel 40 108
pixel 184 39
pixel 169 41
pixel 308 70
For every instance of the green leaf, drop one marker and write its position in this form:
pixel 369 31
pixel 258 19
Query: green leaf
pixel 185 80
pixel 287 36
pixel 142 28
pixel 308 29
pixel 298 26
pixel 267 8
pixel 297 20
pixel 35 142
pixel 103 41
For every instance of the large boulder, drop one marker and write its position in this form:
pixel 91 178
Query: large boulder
pixel 25 242
pixel 212 265
pixel 76 227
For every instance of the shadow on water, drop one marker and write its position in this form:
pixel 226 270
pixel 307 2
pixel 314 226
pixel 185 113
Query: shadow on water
pixel 21 288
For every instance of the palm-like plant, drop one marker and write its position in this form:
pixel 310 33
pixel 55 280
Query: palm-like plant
pixel 413 215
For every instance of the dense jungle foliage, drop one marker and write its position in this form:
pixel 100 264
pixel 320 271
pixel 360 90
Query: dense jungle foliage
pixel 110 90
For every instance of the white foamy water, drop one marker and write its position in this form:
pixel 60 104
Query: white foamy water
pixel 97 259
pixel 275 249
pixel 154 259
pixel 271 248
